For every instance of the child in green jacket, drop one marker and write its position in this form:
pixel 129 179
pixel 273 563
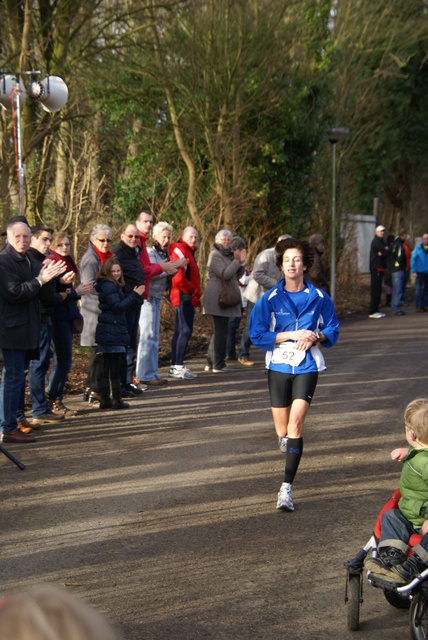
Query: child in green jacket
pixel 397 525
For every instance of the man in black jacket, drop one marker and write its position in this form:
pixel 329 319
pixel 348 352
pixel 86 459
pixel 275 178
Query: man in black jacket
pixel 378 256
pixel 41 238
pixel 133 273
pixel 21 281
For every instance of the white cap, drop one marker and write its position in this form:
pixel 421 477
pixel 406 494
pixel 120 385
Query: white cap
pixel 380 227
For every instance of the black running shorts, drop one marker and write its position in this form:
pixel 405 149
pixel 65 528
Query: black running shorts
pixel 286 387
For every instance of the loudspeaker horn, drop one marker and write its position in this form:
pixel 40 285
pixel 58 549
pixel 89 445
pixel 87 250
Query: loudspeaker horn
pixel 52 93
pixel 7 83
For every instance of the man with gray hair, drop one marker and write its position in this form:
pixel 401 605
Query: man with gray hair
pixel 21 280
pixel 185 296
pixel 264 276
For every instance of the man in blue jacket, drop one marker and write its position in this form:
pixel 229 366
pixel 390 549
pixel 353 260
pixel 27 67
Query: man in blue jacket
pixel 419 267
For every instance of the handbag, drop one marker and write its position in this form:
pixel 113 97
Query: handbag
pixel 78 325
pixel 229 295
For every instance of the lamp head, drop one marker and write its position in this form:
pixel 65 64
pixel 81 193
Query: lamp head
pixel 52 93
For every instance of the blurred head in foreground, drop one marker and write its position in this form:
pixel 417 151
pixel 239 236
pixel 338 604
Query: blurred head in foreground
pixel 49 613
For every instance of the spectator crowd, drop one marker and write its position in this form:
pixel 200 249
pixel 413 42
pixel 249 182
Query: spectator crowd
pixel 117 304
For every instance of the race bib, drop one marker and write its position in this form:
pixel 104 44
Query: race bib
pixel 285 353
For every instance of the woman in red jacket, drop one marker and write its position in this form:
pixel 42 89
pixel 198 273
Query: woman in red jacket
pixel 185 296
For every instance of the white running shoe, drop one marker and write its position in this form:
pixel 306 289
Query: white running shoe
pixel 285 501
pixel 283 442
pixel 377 315
pixel 180 372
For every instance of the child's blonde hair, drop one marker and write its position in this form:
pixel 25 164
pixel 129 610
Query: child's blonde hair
pixel 416 418
pixel 49 613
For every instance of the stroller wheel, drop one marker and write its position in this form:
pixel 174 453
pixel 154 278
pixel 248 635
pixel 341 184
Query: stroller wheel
pixel 419 616
pixel 354 601
pixel 396 600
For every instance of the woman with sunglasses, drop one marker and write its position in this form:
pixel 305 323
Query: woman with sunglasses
pixel 63 318
pixel 98 251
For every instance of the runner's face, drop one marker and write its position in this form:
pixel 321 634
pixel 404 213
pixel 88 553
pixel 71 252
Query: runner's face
pixel 292 265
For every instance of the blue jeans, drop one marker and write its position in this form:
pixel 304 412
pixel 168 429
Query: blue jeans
pixel 148 345
pixel 62 338
pixel 244 350
pixel 38 371
pixel 397 290
pixel 396 531
pixel 421 291
pixel 184 317
pixel 12 389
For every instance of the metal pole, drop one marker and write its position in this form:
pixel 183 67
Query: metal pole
pixel 333 229
pixel 19 147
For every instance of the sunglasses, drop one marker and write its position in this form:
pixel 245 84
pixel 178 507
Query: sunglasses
pixel 107 240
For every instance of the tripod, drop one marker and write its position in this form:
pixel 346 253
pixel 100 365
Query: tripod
pixel 11 457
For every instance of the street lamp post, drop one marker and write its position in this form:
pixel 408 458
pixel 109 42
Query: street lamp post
pixel 52 93
pixel 335 135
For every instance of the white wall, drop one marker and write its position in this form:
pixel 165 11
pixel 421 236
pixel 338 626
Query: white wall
pixel 358 233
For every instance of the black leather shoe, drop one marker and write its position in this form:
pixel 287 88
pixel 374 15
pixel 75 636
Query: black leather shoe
pixel 134 389
pixel 119 404
pixel 126 393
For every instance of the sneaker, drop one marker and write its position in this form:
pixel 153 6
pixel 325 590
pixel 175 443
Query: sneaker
pixel 180 372
pixel 285 501
pixel 156 382
pixel 283 442
pixel 134 389
pixel 50 417
pixel 382 564
pixel 224 369
pixel 409 569
pixel 140 385
pixel 377 315
pixel 208 367
pixel 246 362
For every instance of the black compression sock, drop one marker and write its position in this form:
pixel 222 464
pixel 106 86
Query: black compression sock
pixel 292 458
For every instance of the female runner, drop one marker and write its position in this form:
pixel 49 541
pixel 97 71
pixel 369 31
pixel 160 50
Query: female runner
pixel 289 322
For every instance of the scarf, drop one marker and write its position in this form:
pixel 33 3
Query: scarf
pixel 71 265
pixel 224 252
pixel 164 254
pixel 102 256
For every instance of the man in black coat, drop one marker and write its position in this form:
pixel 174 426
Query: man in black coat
pixel 378 257
pixel 41 238
pixel 133 273
pixel 21 281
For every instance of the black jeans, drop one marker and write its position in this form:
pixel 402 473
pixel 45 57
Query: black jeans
pixel 375 290
pixel 217 346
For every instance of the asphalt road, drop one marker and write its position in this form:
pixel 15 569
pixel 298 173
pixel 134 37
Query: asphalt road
pixel 163 516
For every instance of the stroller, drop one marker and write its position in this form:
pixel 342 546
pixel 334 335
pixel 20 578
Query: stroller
pixel 413 595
